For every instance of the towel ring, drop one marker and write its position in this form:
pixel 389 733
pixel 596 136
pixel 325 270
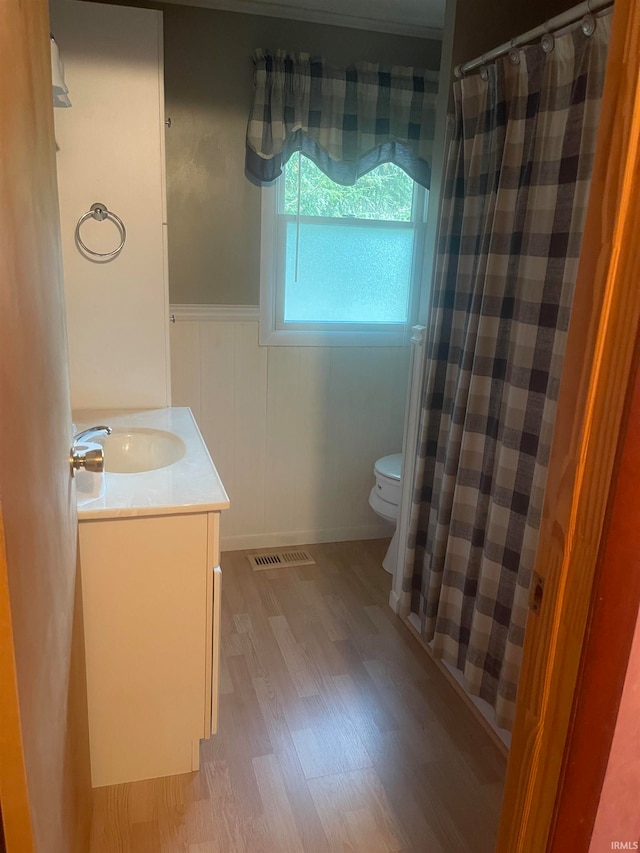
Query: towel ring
pixel 100 212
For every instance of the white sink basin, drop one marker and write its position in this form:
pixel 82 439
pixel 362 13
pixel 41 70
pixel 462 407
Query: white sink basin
pixel 138 449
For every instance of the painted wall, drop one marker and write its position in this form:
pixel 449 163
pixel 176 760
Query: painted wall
pixel 484 24
pixel 618 817
pixel 293 431
pixel 111 150
pixel 214 211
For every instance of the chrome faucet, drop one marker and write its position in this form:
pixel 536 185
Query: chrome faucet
pixel 90 458
pixel 80 436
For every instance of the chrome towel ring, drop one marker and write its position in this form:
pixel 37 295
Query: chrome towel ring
pixel 100 212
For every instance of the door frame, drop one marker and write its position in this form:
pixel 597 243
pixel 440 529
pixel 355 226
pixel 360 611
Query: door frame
pixel 603 670
pixel 15 813
pixel 599 370
pixel 45 795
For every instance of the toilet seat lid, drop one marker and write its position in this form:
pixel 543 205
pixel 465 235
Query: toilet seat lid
pixel 389 466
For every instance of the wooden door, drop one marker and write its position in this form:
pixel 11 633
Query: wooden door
pixel 604 673
pixel 43 739
pixel 598 374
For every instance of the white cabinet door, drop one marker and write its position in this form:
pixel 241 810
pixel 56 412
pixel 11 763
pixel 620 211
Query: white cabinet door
pixel 111 150
pixel 145 596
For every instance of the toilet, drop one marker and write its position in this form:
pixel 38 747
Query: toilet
pixel 384 499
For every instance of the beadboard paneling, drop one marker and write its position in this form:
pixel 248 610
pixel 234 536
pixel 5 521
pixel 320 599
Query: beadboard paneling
pixel 293 431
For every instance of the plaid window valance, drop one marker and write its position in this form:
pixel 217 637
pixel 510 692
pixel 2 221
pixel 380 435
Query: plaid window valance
pixel 348 121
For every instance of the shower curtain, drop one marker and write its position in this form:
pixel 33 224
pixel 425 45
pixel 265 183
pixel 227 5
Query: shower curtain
pixel 515 195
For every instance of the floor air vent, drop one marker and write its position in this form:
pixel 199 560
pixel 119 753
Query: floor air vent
pixel 280 559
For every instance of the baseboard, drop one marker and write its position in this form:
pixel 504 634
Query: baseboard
pixel 303 537
pixel 394 601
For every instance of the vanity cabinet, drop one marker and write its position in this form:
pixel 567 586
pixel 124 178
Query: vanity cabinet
pixel 151 589
pixel 149 547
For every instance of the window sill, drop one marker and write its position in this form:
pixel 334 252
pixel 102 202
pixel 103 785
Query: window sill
pixel 309 338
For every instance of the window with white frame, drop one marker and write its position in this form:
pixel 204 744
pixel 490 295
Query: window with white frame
pixel 340 265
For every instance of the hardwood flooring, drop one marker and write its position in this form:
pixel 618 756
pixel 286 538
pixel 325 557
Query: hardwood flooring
pixel 337 733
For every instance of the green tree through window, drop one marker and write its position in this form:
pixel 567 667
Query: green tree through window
pixel 385 193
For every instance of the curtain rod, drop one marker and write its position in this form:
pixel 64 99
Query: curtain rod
pixel 565 19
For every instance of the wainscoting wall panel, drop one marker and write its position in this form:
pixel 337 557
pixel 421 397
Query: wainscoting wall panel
pixel 293 431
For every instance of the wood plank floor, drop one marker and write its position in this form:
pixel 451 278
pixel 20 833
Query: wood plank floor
pixel 337 733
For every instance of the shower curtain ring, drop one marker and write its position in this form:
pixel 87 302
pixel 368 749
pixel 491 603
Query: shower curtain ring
pixel 514 53
pixel 547 42
pixel 588 23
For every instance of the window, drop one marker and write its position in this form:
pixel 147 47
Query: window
pixel 340 264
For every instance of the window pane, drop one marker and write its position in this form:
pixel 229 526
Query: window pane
pixel 384 193
pixel 348 273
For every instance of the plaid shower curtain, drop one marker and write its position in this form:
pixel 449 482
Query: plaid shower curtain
pixel 515 198
pixel 348 121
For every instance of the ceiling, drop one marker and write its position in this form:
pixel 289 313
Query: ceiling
pixel 421 18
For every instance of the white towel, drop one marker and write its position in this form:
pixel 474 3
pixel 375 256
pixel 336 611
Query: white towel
pixel 60 90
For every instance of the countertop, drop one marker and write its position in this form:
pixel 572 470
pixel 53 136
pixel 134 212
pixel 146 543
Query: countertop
pixel 190 485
